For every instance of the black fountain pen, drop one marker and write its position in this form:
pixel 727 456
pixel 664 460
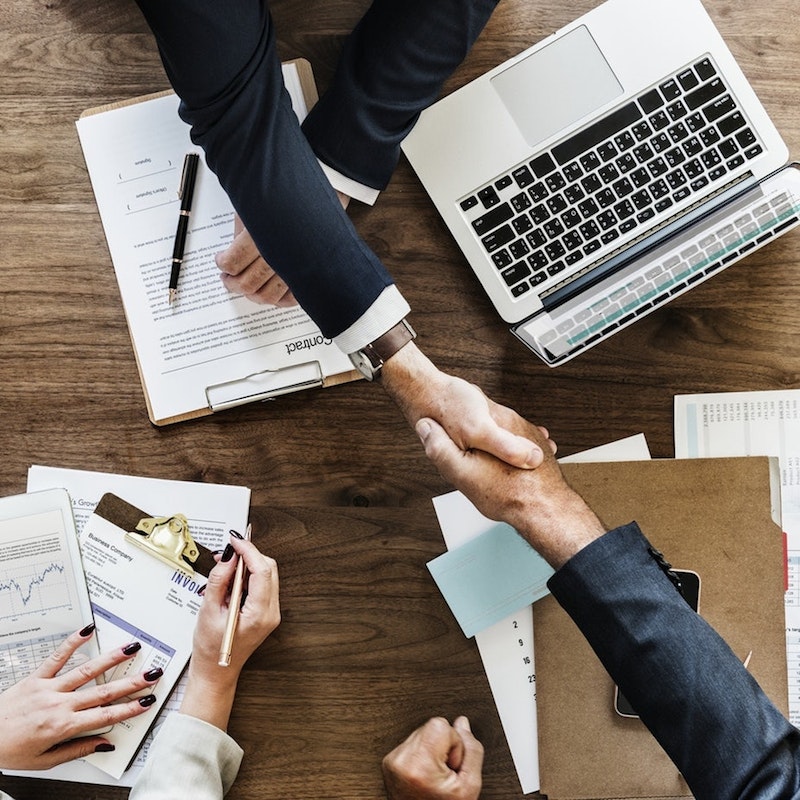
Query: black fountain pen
pixel 185 193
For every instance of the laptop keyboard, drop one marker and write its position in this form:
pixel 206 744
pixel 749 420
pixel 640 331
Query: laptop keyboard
pixel 546 218
pixel 706 248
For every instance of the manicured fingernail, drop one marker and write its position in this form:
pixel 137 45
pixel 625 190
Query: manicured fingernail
pixel 147 700
pixel 88 630
pixel 105 747
pixel 130 649
pixel 236 534
pixel 227 553
pixel 201 591
pixel 153 674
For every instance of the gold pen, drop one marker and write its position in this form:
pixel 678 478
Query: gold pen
pixel 233 608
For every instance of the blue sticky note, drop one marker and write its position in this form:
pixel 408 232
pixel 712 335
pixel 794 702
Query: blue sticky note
pixel 490 577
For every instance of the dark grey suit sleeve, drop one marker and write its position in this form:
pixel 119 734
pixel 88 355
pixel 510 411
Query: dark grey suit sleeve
pixel 693 693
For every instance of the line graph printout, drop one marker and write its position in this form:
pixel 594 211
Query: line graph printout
pixel 43 593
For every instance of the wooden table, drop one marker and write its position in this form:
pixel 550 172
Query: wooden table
pixel 341 489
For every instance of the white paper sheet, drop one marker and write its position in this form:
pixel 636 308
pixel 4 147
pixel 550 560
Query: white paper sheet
pixel 212 510
pixel 506 648
pixel 755 424
pixel 210 348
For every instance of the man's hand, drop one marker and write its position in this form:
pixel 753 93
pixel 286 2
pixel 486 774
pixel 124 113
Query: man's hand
pixel 471 419
pixel 538 503
pixel 437 762
pixel 244 270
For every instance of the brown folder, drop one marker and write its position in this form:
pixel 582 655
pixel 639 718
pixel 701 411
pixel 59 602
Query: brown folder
pixel 713 516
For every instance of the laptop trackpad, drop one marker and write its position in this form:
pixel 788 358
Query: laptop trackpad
pixel 557 85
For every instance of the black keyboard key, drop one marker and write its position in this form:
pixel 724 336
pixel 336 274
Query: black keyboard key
pixel 520 289
pixel 699 183
pixel 597 133
pixel 469 202
pixel 538 192
pixel 539 214
pixel 705 94
pixel 625 163
pixel 659 189
pixel 705 69
pixel 681 194
pixel 502 183
pixel 538 261
pixel 555 182
pixel 536 238
pixel 661 143
pixel 622 187
pixel 554 269
pixel 571 218
pixel 573 257
pixel 555 250
pixel 735 162
pixel 572 171
pixel 643 153
pixel 642 131
pixel 710 136
pixel 754 151
pixel 591 183
pixel 607 151
pixel 719 108
pixel 728 148
pixel 609 236
pixel 608 173
pixel 538 278
pixel 591 247
pixel 641 199
pixel 590 161
pixel 695 122
pixel 605 198
pixel 488 196
pixel 674 157
pixel 730 124
pixel 692 147
pixel 491 219
pixel 745 138
pixel 572 241
pixel 687 79
pixel 646 214
pixel 517 273
pixel 717 173
pixel 556 204
pixel 626 226
pixel 520 202
pixel 676 110
pixel 522 175
pixel 606 220
pixel 650 101
pixel 711 158
pixel 659 120
pixel 663 205
pixel 589 230
pixel 522 224
pixel 640 177
pixel 624 209
pixel 553 228
pixel 678 132
pixel 676 179
pixel 693 169
pixel 574 194
pixel 519 249
pixel 502 258
pixel 670 89
pixel 543 165
pixel 588 208
pixel 498 238
pixel 624 141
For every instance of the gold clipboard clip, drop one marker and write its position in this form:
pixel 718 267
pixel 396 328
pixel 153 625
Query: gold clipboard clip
pixel 167 539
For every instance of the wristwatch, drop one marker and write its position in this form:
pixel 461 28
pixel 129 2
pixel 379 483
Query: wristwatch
pixel 369 360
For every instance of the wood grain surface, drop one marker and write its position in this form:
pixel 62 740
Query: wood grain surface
pixel 341 489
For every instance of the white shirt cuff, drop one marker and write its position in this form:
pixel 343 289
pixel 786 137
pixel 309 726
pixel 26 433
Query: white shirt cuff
pixel 389 308
pixel 354 189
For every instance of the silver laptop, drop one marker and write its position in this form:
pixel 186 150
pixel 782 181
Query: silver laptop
pixel 605 170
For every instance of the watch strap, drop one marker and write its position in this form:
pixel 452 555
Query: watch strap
pixel 386 345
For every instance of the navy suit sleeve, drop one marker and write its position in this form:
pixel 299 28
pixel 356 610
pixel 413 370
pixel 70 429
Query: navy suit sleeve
pixel 222 61
pixel 693 693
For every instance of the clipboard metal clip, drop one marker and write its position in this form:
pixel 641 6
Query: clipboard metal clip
pixel 167 539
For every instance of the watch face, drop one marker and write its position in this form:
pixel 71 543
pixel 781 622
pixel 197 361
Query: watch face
pixel 364 365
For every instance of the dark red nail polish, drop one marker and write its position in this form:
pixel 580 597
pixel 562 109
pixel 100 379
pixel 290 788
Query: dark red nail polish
pixel 130 649
pixel 227 554
pixel 147 700
pixel 105 747
pixel 88 630
pixel 153 674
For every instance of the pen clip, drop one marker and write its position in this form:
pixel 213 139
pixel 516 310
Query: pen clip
pixel 184 172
